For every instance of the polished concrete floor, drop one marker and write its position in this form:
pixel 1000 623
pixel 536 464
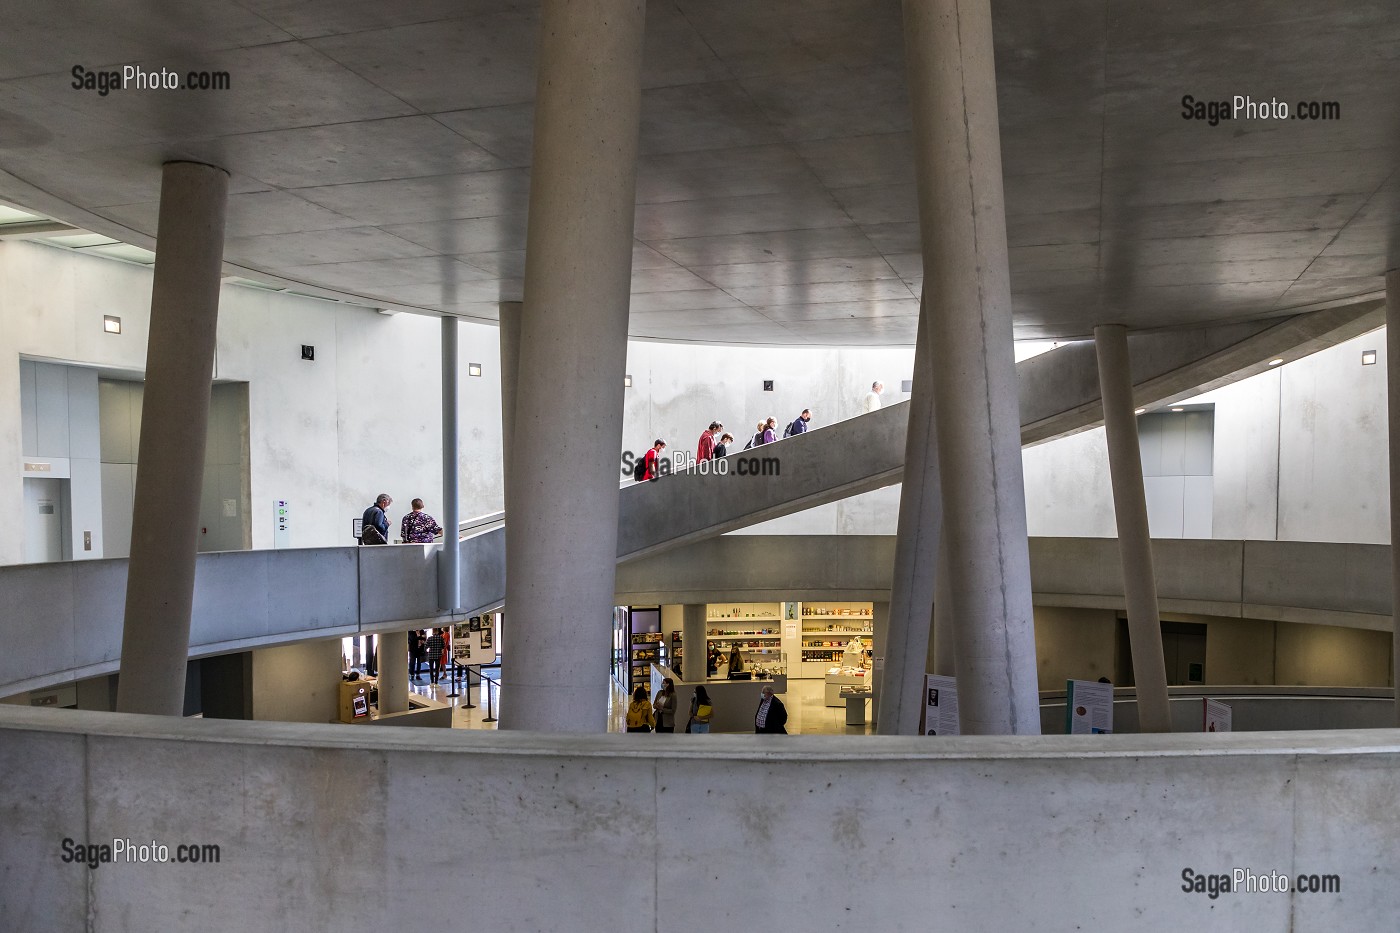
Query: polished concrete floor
pixel 805 699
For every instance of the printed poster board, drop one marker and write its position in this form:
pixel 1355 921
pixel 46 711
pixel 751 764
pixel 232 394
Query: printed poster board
pixel 1088 708
pixel 1215 716
pixel 941 705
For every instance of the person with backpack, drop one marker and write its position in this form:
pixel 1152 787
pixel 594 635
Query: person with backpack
pixel 770 430
pixel 799 425
pixel 374 525
pixel 651 465
pixel 756 439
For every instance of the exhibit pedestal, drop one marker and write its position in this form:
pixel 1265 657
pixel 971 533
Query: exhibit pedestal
pixel 839 679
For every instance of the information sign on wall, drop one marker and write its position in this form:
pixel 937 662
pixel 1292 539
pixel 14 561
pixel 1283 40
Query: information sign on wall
pixel 1088 707
pixel 941 705
pixel 281 523
pixel 1215 716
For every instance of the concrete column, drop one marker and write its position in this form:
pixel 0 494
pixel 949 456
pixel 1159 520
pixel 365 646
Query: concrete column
pixel 393 672
pixel 1392 370
pixel 693 642
pixel 952 89
pixel 510 370
pixel 1134 540
pixel 879 639
pixel 450 558
pixel 561 545
pixel 899 693
pixel 943 653
pixel 174 426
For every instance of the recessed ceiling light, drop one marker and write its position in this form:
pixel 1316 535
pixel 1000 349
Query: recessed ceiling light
pixel 1138 411
pixel 473 369
pixel 1275 362
pixel 1368 357
pixel 111 324
pixel 1178 409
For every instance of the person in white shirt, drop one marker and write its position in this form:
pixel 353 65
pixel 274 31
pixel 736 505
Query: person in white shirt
pixel 872 401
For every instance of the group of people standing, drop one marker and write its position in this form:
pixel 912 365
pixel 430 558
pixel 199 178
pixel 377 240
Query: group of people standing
pixel 659 714
pixel 432 649
pixel 417 527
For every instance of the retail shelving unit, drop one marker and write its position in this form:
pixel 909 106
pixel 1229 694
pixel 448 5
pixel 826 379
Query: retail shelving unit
pixel 827 627
pixel 755 628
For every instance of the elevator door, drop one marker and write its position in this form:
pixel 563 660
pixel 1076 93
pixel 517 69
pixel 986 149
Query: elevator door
pixel 43 520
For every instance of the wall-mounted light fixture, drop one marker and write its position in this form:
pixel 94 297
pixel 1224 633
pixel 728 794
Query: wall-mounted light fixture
pixel 768 385
pixel 111 324
pixel 627 381
pixel 1368 357
pixel 308 352
pixel 1275 361
pixel 473 369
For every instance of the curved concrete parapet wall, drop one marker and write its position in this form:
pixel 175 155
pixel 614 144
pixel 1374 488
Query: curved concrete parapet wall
pixel 64 621
pixel 333 827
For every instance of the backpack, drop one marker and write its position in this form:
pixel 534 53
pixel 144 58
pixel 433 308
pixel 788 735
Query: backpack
pixel 639 469
pixel 788 431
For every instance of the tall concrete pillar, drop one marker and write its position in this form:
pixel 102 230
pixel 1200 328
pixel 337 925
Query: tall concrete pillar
pixel 393 672
pixel 174 426
pixel 693 644
pixel 450 558
pixel 879 639
pixel 510 370
pixel 952 90
pixel 943 653
pixel 1392 370
pixel 561 543
pixel 899 693
pixel 1134 540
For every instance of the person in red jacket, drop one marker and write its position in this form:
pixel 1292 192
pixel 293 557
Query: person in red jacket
pixel 653 470
pixel 707 442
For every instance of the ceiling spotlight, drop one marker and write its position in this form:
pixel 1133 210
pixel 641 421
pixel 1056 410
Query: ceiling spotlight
pixel 1178 409
pixel 1275 361
pixel 1138 411
pixel 473 369
pixel 111 324
pixel 1368 357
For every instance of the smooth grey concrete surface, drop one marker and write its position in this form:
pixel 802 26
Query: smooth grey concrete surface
pixel 694 645
pixel 174 429
pixel 450 557
pixel 1392 339
pixel 509 326
pixel 773 135
pixel 561 552
pixel 917 555
pixel 962 223
pixel 1134 539
pixel 927 829
pixel 392 664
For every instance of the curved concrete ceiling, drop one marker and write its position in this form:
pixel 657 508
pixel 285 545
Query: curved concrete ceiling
pixel 381 151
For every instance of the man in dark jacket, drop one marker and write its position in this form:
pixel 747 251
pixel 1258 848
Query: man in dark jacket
pixel 772 715
pixel 799 425
pixel 375 518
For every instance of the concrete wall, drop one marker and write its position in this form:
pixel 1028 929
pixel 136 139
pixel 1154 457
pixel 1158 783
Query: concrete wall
pixel 1310 655
pixel 1074 644
pixel 298 683
pixel 324 827
pixel 59 426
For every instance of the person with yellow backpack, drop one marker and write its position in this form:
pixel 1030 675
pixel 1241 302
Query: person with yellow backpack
pixel 639 717
pixel 701 712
